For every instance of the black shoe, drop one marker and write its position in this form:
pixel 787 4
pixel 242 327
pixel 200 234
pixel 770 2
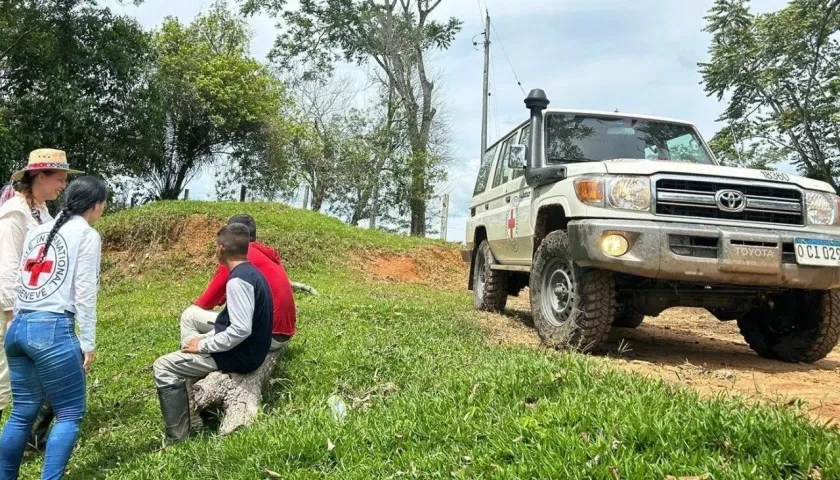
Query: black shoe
pixel 175 407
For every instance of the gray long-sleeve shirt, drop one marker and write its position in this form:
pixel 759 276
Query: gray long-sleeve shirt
pixel 240 305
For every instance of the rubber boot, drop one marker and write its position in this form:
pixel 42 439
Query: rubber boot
pixel 38 439
pixel 175 407
pixel 196 423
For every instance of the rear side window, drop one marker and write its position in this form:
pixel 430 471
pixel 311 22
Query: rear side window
pixel 484 171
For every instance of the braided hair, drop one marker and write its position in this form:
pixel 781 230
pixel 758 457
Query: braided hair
pixel 83 194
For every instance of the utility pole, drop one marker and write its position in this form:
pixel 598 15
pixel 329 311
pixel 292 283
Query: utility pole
pixel 486 92
pixel 242 191
pixel 186 194
pixel 444 218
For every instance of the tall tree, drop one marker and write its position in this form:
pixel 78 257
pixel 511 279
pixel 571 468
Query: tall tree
pixel 207 99
pixel 781 72
pixel 68 72
pixel 396 36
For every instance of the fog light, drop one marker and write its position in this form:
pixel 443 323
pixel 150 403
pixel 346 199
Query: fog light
pixel 614 245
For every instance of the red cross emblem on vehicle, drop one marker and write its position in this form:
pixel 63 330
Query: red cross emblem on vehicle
pixel 511 222
pixel 37 267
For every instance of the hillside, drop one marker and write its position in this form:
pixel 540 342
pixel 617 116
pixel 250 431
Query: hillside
pixel 432 392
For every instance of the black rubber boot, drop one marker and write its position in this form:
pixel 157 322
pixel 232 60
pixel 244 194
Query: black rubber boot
pixel 175 407
pixel 38 440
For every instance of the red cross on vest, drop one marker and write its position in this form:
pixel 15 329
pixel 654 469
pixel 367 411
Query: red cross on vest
pixel 37 267
pixel 511 223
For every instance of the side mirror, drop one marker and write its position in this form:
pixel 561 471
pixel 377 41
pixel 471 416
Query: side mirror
pixel 517 157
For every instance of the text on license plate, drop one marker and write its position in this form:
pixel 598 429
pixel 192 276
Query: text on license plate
pixel 812 251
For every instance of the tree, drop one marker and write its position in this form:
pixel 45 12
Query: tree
pixel 206 100
pixel 781 72
pixel 394 36
pixel 68 72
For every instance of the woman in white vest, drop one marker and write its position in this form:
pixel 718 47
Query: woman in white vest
pixel 42 180
pixel 57 290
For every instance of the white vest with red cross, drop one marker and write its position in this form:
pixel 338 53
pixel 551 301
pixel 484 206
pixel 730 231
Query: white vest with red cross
pixel 66 279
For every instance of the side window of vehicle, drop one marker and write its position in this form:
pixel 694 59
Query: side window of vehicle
pixel 524 139
pixel 502 170
pixel 484 171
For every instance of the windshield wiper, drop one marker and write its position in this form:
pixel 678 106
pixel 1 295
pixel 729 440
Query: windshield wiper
pixel 569 160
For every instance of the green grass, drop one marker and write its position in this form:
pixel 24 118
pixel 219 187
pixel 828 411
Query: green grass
pixel 429 397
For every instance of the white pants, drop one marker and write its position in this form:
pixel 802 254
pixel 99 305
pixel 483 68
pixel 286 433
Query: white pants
pixel 5 386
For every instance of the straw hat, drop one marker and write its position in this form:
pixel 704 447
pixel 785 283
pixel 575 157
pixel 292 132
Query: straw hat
pixel 45 159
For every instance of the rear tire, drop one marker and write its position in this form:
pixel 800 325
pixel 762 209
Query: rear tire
pixel 490 287
pixel 572 307
pixel 802 327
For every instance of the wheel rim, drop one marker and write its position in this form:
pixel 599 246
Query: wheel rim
pixel 481 275
pixel 558 292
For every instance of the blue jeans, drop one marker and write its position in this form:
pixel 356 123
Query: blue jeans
pixel 45 363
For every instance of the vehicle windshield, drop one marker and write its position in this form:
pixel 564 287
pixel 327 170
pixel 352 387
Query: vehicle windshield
pixel 589 138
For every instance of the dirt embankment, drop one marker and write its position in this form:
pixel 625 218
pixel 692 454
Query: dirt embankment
pixel 686 346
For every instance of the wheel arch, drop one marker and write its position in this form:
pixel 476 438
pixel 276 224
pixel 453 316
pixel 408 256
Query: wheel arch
pixel 550 217
pixel 479 235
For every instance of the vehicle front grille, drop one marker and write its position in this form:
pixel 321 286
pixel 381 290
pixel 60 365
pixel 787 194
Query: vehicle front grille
pixel 697 198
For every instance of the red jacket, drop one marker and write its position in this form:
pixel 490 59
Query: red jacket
pixel 267 261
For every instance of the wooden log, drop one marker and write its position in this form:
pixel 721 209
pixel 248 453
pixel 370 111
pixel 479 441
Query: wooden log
pixel 302 287
pixel 238 395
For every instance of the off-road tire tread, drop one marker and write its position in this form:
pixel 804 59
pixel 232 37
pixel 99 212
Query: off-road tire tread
pixel 825 335
pixel 495 285
pixel 596 300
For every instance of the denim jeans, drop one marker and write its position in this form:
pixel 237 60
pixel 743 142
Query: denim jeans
pixel 45 363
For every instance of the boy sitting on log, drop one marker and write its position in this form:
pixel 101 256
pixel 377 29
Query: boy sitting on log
pixel 238 342
pixel 200 317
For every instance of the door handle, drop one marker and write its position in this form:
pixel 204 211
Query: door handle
pixel 507 199
pixel 487 206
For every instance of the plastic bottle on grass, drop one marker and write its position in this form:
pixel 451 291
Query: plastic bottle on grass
pixel 338 407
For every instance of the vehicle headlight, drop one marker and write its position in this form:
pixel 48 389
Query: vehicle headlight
pixel 822 208
pixel 628 193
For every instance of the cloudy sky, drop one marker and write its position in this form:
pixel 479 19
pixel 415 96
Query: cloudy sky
pixel 638 56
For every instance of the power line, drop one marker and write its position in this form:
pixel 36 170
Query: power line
pixel 480 14
pixel 499 39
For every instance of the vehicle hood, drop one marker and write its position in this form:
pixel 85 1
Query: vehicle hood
pixel 650 167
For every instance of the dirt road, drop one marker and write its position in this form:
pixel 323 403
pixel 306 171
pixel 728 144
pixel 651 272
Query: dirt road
pixel 687 346
pixel 691 347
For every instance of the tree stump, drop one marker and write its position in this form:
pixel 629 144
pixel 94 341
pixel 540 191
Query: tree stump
pixel 238 395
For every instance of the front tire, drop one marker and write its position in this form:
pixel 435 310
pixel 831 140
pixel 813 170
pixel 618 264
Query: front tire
pixel 801 327
pixel 573 307
pixel 490 287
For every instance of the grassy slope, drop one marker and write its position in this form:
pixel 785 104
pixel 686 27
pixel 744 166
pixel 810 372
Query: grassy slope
pixel 433 400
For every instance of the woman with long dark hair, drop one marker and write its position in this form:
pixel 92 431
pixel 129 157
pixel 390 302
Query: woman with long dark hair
pixel 21 209
pixel 57 290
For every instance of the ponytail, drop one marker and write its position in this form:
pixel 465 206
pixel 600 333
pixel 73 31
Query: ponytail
pixel 82 195
pixel 63 217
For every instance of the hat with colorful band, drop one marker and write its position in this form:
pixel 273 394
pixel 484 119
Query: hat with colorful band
pixel 45 159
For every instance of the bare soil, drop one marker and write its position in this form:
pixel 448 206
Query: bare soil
pixel 683 345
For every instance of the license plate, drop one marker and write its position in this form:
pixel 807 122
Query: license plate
pixel 822 253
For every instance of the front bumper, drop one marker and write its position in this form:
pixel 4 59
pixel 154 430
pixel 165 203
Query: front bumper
pixel 701 253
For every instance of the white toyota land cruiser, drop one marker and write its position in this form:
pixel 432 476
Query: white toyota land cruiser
pixel 608 218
